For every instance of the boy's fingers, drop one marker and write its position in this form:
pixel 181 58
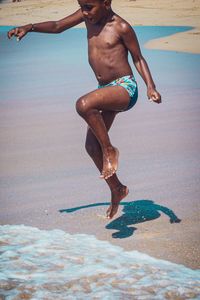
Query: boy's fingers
pixel 155 99
pixel 16 31
pixel 152 98
pixel 158 100
pixel 19 36
pixel 12 32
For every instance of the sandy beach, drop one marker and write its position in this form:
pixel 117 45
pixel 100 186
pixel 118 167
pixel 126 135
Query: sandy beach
pixel 44 168
pixel 140 12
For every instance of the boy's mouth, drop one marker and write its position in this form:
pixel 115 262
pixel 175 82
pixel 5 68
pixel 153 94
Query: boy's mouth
pixel 91 20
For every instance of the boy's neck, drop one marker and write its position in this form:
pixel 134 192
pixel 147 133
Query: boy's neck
pixel 107 17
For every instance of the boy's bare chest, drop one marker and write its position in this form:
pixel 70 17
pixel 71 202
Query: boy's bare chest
pixel 104 40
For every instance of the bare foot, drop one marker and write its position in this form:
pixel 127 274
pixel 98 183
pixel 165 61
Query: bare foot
pixel 117 195
pixel 110 162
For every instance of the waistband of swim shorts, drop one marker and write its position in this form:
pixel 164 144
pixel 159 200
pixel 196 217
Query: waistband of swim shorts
pixel 131 77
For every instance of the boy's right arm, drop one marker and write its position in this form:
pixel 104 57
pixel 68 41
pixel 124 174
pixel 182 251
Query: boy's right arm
pixel 48 27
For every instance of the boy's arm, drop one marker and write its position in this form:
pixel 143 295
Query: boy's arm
pixel 169 213
pixel 131 43
pixel 48 27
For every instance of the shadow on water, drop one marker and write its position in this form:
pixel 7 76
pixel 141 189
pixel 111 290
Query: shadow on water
pixel 133 212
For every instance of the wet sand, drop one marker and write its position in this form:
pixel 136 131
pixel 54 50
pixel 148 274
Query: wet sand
pixel 44 169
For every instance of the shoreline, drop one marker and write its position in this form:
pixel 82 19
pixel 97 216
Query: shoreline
pixel 144 13
pixel 169 43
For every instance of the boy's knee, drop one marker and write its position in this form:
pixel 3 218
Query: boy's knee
pixel 81 105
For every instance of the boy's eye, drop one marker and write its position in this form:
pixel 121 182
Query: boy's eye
pixel 87 7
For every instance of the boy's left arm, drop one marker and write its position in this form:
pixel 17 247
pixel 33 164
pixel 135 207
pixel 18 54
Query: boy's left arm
pixel 130 40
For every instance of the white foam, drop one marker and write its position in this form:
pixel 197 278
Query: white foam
pixel 38 264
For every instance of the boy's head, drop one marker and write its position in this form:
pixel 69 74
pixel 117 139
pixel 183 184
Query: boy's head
pixel 94 10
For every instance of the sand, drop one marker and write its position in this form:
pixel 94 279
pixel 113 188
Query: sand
pixel 44 167
pixel 139 12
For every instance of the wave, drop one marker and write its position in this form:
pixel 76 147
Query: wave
pixel 40 264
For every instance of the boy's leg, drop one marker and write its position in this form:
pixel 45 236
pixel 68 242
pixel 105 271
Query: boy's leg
pixel 114 98
pixel 118 190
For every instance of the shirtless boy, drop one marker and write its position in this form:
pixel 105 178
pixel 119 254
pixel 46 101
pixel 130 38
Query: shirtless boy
pixel 110 38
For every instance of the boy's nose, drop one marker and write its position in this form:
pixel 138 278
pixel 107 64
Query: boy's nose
pixel 85 13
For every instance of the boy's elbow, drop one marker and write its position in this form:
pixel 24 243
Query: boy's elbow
pixel 58 28
pixel 138 61
pixel 138 58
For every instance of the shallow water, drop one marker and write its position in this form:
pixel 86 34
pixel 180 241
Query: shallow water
pixel 46 65
pixel 38 264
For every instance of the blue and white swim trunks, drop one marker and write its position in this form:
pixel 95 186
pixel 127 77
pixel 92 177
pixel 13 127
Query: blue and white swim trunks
pixel 128 82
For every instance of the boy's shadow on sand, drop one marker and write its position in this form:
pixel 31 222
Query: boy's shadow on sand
pixel 134 212
pixel 137 212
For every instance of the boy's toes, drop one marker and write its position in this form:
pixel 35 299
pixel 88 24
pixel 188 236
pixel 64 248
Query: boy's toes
pixel 108 211
pixel 110 173
pixel 113 212
pixel 102 176
pixel 106 174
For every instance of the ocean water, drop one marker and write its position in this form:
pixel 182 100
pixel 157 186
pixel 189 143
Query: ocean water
pixel 37 264
pixel 47 64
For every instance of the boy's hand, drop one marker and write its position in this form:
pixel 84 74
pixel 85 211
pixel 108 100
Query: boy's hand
pixel 153 95
pixel 19 32
pixel 175 220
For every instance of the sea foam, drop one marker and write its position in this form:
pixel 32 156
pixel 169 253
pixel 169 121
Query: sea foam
pixel 39 264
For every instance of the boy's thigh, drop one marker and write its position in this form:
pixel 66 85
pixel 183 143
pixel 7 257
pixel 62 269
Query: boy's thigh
pixel 113 98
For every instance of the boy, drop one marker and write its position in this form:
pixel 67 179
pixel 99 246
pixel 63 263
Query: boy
pixel 110 38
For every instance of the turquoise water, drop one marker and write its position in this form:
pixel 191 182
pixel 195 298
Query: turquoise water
pixel 48 64
pixel 37 264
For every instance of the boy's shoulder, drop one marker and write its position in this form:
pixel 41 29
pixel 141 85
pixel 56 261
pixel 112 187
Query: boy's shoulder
pixel 121 24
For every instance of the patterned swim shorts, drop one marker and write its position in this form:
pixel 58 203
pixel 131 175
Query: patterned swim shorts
pixel 129 83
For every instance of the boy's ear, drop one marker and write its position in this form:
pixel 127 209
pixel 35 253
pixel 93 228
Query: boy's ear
pixel 107 3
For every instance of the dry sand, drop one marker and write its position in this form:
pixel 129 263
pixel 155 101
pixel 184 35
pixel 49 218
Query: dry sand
pixel 138 12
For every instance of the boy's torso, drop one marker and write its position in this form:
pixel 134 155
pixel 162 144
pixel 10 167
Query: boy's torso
pixel 107 53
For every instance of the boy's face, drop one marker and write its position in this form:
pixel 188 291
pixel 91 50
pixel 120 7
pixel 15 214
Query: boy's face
pixel 94 10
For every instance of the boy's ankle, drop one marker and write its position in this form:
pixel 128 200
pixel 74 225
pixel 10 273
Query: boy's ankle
pixel 117 187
